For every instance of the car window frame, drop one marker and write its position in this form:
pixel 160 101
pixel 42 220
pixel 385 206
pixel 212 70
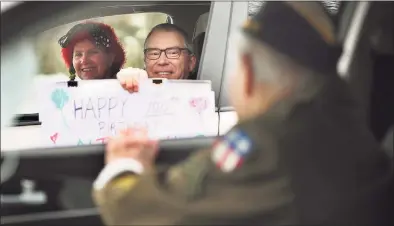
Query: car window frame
pixel 213 54
pixel 239 13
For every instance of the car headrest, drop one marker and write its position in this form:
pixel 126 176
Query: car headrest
pixel 201 25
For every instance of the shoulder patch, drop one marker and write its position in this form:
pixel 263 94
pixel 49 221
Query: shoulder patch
pixel 230 151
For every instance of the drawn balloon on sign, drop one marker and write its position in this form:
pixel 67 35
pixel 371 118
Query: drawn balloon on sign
pixel 60 98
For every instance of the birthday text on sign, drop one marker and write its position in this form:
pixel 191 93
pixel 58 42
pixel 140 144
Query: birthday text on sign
pixel 102 109
pixel 109 112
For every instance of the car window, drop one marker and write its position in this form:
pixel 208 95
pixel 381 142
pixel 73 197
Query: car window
pixel 131 30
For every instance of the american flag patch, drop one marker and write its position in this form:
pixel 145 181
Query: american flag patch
pixel 230 151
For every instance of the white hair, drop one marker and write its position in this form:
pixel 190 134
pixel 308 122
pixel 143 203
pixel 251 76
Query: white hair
pixel 270 66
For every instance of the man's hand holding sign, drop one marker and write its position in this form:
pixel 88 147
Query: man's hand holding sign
pixel 130 78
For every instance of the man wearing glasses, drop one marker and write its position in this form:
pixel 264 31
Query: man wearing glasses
pixel 166 55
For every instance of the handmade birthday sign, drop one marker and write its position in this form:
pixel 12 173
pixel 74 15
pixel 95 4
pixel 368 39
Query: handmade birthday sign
pixel 97 110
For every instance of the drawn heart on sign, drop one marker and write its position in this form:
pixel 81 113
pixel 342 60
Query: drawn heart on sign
pixel 200 104
pixel 54 137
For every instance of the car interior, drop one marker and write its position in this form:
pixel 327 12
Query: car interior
pixel 198 39
pixel 371 69
pixel 381 116
pixel 66 177
pixel 63 193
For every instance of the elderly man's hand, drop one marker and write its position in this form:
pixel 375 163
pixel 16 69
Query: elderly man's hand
pixel 130 77
pixel 134 144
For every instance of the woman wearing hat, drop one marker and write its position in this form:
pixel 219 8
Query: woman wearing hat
pixel 91 50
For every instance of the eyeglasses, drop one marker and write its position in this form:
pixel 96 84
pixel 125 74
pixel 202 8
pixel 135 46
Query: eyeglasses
pixel 171 53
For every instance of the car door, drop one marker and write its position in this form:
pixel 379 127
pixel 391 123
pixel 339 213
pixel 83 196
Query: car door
pixel 85 162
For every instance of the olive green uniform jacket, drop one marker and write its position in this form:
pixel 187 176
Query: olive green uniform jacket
pixel 309 160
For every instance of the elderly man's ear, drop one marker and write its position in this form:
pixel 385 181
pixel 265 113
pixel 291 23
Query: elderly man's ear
pixel 248 73
pixel 192 62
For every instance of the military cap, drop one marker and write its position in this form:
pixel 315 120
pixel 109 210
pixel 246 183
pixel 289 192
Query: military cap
pixel 303 31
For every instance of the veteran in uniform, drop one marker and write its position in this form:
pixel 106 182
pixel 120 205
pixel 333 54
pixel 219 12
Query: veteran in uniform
pixel 301 152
